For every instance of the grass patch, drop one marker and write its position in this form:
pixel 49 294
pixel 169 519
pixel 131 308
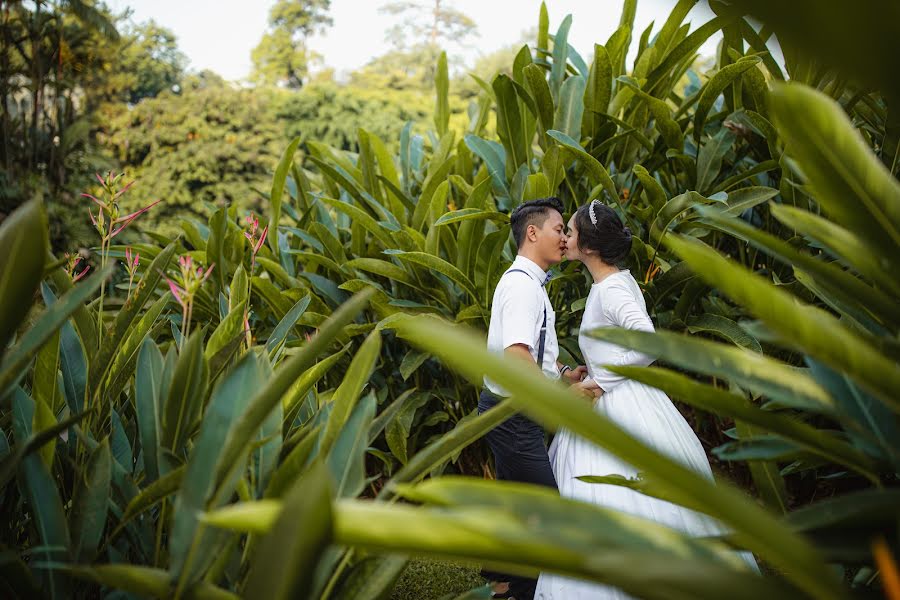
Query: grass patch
pixel 431 579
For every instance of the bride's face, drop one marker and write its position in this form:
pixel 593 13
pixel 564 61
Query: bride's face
pixel 572 251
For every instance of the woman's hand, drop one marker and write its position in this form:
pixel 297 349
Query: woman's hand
pixel 588 388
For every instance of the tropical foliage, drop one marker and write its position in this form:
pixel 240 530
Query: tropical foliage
pixel 286 408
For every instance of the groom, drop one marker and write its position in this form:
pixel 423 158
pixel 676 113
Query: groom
pixel 523 325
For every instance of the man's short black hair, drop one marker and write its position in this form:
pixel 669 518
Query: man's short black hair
pixel 533 212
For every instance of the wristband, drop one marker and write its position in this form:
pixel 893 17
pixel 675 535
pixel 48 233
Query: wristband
pixel 564 369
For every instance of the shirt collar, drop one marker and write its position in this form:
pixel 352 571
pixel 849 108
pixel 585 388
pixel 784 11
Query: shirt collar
pixel 528 265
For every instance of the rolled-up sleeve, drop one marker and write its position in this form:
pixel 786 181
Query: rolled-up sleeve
pixel 622 309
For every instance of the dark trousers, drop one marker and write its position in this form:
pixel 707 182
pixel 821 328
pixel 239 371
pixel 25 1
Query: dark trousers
pixel 520 454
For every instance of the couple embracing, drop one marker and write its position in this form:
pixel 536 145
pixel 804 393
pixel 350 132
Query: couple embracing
pixel 523 325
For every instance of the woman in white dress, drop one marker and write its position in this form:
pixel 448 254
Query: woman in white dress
pixel 598 239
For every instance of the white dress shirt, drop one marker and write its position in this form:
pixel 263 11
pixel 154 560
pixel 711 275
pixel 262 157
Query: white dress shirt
pixel 517 313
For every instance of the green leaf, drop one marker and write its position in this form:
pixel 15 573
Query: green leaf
pixel 229 327
pixel 766 476
pixel 383 268
pixel 854 249
pixel 441 266
pixel 146 581
pixel 596 173
pixel 360 217
pixel 126 317
pixel 281 172
pixel 468 214
pixel 570 109
pixel 597 93
pixel 853 187
pixel 442 96
pixel 285 561
pixel 215 245
pixel 265 399
pixel 714 87
pixel 45 327
pixel 182 407
pixel 494 161
pixel 500 537
pixel 147 404
pixel 123 365
pixel 89 505
pixel 347 394
pixel 734 406
pixel 43 501
pixel 687 47
pixel 560 56
pixel 840 284
pixel 190 548
pixel 803 327
pixel 373 578
pixel 555 407
pixel 280 333
pixel 724 328
pixel 397 431
pixel 536 85
pixel 673 210
pixel 709 161
pixel 509 123
pixel 347 457
pixel 23 244
pixel 750 370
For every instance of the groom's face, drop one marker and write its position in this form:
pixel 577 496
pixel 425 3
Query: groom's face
pixel 550 238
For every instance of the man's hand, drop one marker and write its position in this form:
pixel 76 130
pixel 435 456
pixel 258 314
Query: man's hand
pixel 575 375
pixel 588 388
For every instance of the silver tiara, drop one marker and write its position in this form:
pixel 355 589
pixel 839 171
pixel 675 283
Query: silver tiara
pixel 591 212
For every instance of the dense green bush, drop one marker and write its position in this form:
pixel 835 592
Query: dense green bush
pixel 246 419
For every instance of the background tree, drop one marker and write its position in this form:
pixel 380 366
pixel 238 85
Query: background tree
pixel 423 29
pixel 282 56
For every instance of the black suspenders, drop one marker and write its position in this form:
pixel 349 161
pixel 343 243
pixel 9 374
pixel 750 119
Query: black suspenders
pixel 543 325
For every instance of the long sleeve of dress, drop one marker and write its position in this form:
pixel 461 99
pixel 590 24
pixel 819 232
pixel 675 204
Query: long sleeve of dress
pixel 622 309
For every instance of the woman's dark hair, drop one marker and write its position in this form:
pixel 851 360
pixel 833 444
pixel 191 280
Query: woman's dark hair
pixel 533 212
pixel 604 234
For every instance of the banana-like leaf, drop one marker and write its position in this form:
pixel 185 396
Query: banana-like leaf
pixel 347 457
pixel 685 49
pixel 264 400
pixel 191 548
pixel 763 375
pixel 90 504
pixel 467 214
pixel 494 160
pixel 442 98
pixel 560 56
pixel 23 244
pixel 714 87
pixel 42 498
pixel 804 327
pixel 285 562
pixel 675 208
pixel 724 328
pixel 597 93
pixel 847 288
pixel 125 319
pixel 146 582
pixel 182 406
pixel 850 183
pixel 429 261
pixel 46 325
pixel 597 174
pixel 280 333
pixel 510 127
pixel 347 395
pixel 727 404
pixel 850 247
pixel 555 407
pixel 570 109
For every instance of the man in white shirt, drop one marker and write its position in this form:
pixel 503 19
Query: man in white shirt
pixel 523 325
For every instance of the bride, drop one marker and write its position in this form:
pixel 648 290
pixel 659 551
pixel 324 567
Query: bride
pixel 598 239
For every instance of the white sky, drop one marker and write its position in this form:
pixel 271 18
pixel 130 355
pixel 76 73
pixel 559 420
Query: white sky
pixel 220 34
